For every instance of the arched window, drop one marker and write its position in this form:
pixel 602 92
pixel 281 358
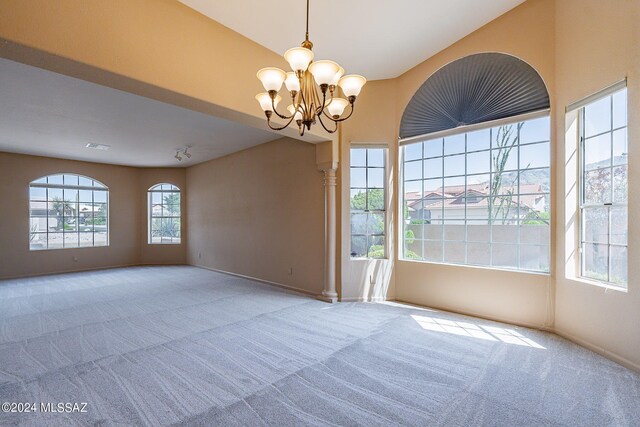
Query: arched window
pixel 476 166
pixel 68 211
pixel 164 214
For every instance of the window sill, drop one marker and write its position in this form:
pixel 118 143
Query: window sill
pixel 481 267
pixel 604 285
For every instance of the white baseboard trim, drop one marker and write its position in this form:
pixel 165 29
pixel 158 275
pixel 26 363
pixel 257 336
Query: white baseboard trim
pixel 364 299
pixel 79 270
pixel 266 282
pixel 601 351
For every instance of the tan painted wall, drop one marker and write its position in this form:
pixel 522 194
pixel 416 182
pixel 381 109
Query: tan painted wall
pixel 258 213
pixel 127 222
pixel 162 254
pixel 598 43
pixel 372 123
pixel 161 49
pixel 528 33
pixel 578 47
pixel 17 171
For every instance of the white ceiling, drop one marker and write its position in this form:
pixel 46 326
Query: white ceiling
pixel 49 114
pixel 378 39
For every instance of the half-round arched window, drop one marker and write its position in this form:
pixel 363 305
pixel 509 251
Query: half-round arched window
pixel 475 89
pixel 164 214
pixel 476 166
pixel 68 211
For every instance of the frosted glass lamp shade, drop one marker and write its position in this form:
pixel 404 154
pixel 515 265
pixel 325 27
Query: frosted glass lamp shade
pixel 291 82
pixel 336 106
pixel 271 78
pixel 292 109
pixel 352 84
pixel 336 77
pixel 323 71
pixel 265 101
pixel 298 58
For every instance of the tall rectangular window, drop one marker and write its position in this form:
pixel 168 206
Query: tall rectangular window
pixel 368 201
pixel 164 214
pixel 480 197
pixel 603 189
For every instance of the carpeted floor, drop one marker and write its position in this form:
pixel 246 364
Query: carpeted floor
pixel 186 346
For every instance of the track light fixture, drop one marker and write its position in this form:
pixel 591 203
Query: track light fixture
pixel 182 152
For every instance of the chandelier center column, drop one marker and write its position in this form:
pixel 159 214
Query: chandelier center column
pixel 329 293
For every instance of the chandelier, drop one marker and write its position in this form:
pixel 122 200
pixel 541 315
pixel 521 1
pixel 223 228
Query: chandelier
pixel 307 103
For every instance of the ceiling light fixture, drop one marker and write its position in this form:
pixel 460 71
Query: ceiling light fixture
pixel 95 146
pixel 182 152
pixel 302 84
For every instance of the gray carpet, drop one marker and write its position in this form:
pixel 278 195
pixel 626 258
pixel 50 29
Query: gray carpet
pixel 186 346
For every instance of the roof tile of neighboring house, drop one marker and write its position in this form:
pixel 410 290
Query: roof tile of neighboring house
pixel 452 197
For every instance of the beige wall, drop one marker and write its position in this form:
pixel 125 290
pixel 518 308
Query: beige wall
pixel 372 124
pixel 260 213
pixel 160 49
pixel 597 44
pixel 528 33
pixel 578 47
pixel 127 217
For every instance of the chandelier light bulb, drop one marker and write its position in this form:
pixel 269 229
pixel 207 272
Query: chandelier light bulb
pixel 265 101
pixel 291 82
pixel 323 71
pixel 336 77
pixel 352 84
pixel 298 58
pixel 336 106
pixel 271 78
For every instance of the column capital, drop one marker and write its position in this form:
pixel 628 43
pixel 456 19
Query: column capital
pixel 330 177
pixel 327 166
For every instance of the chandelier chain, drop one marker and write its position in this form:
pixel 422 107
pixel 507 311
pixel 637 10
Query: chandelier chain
pixel 307 33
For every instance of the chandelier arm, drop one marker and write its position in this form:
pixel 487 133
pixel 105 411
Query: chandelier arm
pixel 278 114
pixel 303 102
pixel 279 128
pixel 325 128
pixel 321 108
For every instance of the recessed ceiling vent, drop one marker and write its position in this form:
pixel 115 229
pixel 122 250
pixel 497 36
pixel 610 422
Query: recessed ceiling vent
pixel 102 147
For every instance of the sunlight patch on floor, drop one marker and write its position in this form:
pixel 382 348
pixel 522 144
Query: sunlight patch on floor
pixel 472 330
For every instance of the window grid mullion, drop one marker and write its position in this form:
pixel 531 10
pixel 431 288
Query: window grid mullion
pixel 513 212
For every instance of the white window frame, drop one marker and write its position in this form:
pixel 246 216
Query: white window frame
pixel 465 130
pixel 95 186
pixel 582 207
pixel 157 188
pixel 384 235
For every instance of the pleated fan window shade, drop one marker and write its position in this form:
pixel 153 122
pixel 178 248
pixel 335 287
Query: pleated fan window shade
pixel 475 89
